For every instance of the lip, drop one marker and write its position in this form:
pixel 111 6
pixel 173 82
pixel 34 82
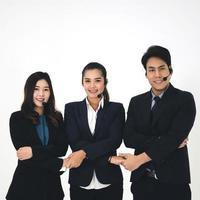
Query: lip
pixel 158 81
pixel 92 92
pixel 40 100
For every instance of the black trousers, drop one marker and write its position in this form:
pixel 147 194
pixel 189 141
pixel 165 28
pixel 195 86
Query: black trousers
pixel 114 192
pixel 151 189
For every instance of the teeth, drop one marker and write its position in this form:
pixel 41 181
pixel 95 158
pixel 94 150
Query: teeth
pixel 158 81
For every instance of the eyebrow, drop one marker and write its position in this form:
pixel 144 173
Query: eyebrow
pixel 39 86
pixel 157 67
pixel 94 78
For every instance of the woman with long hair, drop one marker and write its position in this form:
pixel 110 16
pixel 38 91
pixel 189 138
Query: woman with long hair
pixel 37 134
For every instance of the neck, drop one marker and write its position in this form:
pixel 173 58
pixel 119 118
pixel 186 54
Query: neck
pixel 158 92
pixel 39 110
pixel 94 102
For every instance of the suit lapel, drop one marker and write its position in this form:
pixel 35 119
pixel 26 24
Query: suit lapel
pixel 100 116
pixel 163 104
pixel 84 117
pixel 147 108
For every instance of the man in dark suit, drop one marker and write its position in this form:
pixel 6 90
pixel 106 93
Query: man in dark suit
pixel 158 124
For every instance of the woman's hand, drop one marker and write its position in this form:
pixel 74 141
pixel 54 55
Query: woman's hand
pixel 24 153
pixel 75 159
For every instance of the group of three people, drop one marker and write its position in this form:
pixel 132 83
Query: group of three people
pixel 157 127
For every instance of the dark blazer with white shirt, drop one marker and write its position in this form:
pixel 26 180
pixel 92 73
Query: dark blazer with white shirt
pixel 98 147
pixel 38 177
pixel 161 138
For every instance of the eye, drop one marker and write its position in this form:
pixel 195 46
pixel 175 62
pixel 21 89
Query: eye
pixel 86 80
pixel 36 88
pixel 151 70
pixel 163 68
pixel 46 89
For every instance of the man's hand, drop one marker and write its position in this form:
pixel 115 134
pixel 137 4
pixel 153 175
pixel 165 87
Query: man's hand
pixel 116 160
pixel 132 162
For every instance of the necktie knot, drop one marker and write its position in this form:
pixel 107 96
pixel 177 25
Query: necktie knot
pixel 156 101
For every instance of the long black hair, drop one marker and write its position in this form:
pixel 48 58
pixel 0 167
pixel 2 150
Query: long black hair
pixel 101 68
pixel 28 105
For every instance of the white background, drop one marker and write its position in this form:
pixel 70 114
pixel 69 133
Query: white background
pixel 62 36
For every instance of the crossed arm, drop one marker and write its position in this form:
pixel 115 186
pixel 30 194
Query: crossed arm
pixel 128 161
pixel 131 162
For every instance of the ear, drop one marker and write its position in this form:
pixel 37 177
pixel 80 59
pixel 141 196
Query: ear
pixel 106 81
pixel 170 69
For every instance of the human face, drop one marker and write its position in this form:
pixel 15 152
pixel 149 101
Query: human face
pixel 93 83
pixel 41 94
pixel 156 70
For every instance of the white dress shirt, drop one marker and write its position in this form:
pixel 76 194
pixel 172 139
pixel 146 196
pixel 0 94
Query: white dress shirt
pixel 92 117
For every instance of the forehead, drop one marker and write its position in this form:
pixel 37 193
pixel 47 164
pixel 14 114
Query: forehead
pixel 155 62
pixel 93 73
pixel 42 83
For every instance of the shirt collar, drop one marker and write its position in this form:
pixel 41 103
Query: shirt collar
pixel 153 95
pixel 101 104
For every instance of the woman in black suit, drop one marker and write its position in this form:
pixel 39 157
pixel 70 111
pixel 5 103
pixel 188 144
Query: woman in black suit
pixel 94 129
pixel 37 134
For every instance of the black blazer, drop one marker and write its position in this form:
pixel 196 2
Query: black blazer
pixel 38 177
pixel 161 138
pixel 98 147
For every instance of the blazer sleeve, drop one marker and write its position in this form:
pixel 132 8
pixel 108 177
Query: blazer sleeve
pixel 112 142
pixel 18 137
pixel 132 137
pixel 182 123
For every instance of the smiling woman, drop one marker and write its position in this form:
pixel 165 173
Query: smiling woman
pixel 94 129
pixel 37 135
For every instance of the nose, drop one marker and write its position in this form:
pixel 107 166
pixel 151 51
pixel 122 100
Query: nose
pixel 157 73
pixel 92 84
pixel 41 93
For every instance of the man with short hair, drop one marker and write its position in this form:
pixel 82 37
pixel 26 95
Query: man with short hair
pixel 158 124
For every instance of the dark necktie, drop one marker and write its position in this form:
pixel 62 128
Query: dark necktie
pixel 155 106
pixel 150 167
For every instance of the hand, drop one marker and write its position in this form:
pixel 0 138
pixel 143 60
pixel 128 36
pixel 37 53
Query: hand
pixel 132 162
pixel 75 159
pixel 184 143
pixel 24 153
pixel 65 162
pixel 116 160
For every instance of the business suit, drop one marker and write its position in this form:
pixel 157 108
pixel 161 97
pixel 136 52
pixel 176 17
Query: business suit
pixel 98 147
pixel 160 138
pixel 38 177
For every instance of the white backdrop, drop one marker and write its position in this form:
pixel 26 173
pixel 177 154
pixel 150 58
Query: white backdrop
pixel 62 36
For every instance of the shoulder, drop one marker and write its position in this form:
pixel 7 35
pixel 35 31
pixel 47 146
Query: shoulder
pixel 115 105
pixel 140 97
pixel 17 115
pixel 182 95
pixel 74 104
pixel 17 118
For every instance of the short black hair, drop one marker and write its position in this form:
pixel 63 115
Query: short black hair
pixel 157 51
